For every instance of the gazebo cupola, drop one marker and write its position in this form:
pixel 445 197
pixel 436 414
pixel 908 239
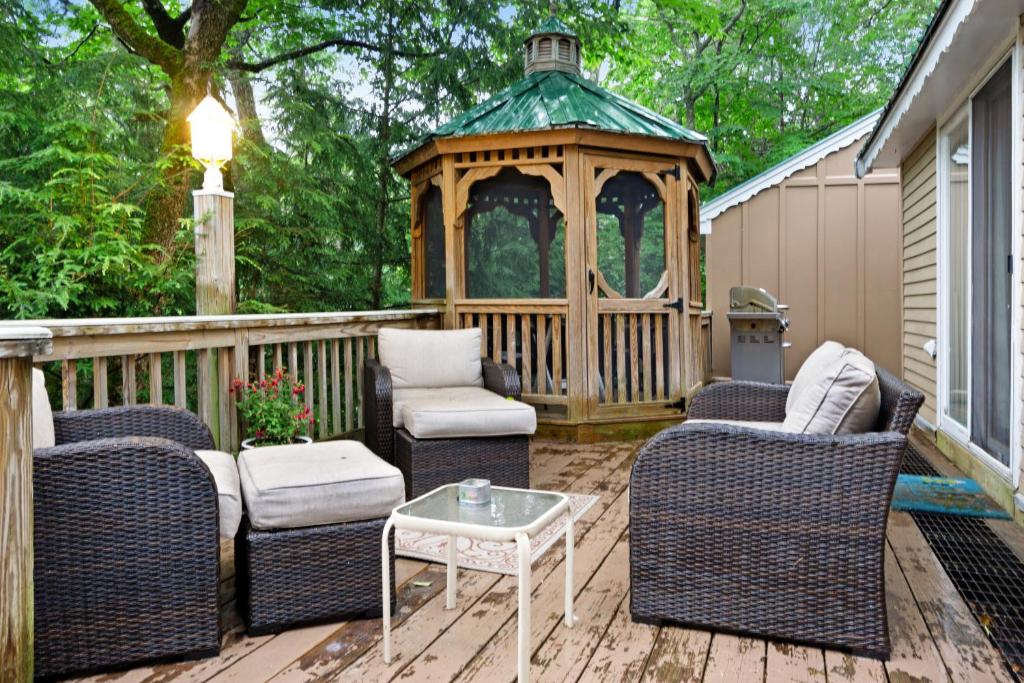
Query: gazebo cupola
pixel 561 219
pixel 552 47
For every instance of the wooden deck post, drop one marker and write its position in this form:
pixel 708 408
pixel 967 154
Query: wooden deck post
pixel 214 212
pixel 17 347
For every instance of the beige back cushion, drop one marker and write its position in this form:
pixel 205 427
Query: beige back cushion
pixel 811 370
pixel 431 358
pixel 42 415
pixel 845 399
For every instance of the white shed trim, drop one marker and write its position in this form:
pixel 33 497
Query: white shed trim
pixel 776 174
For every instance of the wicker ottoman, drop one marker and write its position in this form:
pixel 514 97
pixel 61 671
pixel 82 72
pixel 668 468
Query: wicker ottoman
pixel 429 463
pixel 308 550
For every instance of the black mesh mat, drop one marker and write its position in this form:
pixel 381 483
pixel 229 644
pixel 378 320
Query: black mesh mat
pixel 986 573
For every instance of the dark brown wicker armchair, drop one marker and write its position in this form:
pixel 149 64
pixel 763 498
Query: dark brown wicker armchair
pixel 774 534
pixel 126 541
pixel 429 463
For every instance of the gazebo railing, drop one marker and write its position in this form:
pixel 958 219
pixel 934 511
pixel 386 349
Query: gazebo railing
pixel 529 334
pixel 191 361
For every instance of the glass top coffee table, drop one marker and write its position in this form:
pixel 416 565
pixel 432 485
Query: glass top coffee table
pixel 511 515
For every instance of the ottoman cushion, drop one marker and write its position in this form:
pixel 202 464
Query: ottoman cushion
pixel 452 415
pixel 320 483
pixel 229 495
pixel 399 397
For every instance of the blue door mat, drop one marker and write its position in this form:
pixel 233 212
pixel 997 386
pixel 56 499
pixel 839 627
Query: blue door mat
pixel 964 497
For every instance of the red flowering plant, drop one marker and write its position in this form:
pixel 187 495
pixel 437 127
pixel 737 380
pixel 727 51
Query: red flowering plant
pixel 273 408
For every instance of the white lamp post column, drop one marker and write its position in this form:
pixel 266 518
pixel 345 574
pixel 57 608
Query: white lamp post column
pixel 214 211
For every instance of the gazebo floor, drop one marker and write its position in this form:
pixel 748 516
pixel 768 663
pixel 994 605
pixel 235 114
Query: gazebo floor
pixel 934 636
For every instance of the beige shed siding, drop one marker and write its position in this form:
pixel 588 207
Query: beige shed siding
pixel 920 304
pixel 828 245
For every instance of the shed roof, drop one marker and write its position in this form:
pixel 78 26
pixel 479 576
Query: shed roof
pixel 843 137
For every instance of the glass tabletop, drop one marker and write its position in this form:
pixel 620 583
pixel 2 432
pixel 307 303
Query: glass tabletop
pixel 508 508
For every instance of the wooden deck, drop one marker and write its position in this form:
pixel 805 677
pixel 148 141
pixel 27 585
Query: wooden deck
pixel 934 636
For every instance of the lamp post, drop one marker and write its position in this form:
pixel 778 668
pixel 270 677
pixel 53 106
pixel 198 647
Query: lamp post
pixel 212 127
pixel 214 212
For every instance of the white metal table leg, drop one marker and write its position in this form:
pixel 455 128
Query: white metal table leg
pixel 570 618
pixel 525 588
pixel 453 571
pixel 386 590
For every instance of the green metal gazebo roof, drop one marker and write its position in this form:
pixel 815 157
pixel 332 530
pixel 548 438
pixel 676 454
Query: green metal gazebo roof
pixel 558 99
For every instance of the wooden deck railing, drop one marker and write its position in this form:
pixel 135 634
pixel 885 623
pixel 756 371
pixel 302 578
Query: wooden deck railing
pixel 191 361
pixel 529 334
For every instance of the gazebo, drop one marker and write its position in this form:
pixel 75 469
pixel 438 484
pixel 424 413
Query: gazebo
pixel 561 219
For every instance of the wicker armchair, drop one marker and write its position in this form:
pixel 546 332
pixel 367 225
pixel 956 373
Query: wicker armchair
pixel 126 541
pixel 427 464
pixel 774 534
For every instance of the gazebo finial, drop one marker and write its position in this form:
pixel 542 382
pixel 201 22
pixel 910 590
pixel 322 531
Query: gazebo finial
pixel 553 8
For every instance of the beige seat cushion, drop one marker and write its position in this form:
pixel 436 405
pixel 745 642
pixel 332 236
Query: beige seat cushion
pixel 811 370
pixel 845 399
pixel 431 358
pixel 320 483
pixel 229 494
pixel 399 397
pixel 42 414
pixel 764 426
pixel 451 416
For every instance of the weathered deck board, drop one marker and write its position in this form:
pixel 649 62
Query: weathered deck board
pixel 934 637
pixel 844 668
pixel 794 664
pixel 732 659
pixel 624 650
pixel 913 656
pixel 678 655
pixel 963 645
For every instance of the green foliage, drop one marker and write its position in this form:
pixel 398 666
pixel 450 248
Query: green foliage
pixel 272 410
pixel 321 219
pixel 764 79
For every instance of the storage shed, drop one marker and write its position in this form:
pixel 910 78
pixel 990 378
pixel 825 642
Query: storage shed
pixel 825 242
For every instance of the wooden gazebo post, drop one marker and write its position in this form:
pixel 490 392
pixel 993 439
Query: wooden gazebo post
pixel 17 347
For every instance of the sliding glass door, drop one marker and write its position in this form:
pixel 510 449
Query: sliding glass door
pixel 991 265
pixel 975 185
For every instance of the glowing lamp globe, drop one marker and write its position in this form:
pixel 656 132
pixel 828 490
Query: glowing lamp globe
pixel 212 127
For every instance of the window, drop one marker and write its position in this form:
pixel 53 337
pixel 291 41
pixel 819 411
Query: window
pixel 514 239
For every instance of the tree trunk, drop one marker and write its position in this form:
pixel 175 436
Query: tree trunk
pixel 245 104
pixel 165 202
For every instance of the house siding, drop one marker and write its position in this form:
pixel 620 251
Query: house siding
pixel 920 303
pixel 828 245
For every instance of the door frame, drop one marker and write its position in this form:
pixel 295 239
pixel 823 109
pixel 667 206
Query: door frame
pixel 592 164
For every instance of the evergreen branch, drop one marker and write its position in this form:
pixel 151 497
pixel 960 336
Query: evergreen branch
pixel 256 67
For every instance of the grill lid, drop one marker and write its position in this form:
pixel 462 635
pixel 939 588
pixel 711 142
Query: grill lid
pixel 746 299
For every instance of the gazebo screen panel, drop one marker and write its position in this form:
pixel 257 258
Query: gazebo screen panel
pixel 514 239
pixel 630 235
pixel 433 243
